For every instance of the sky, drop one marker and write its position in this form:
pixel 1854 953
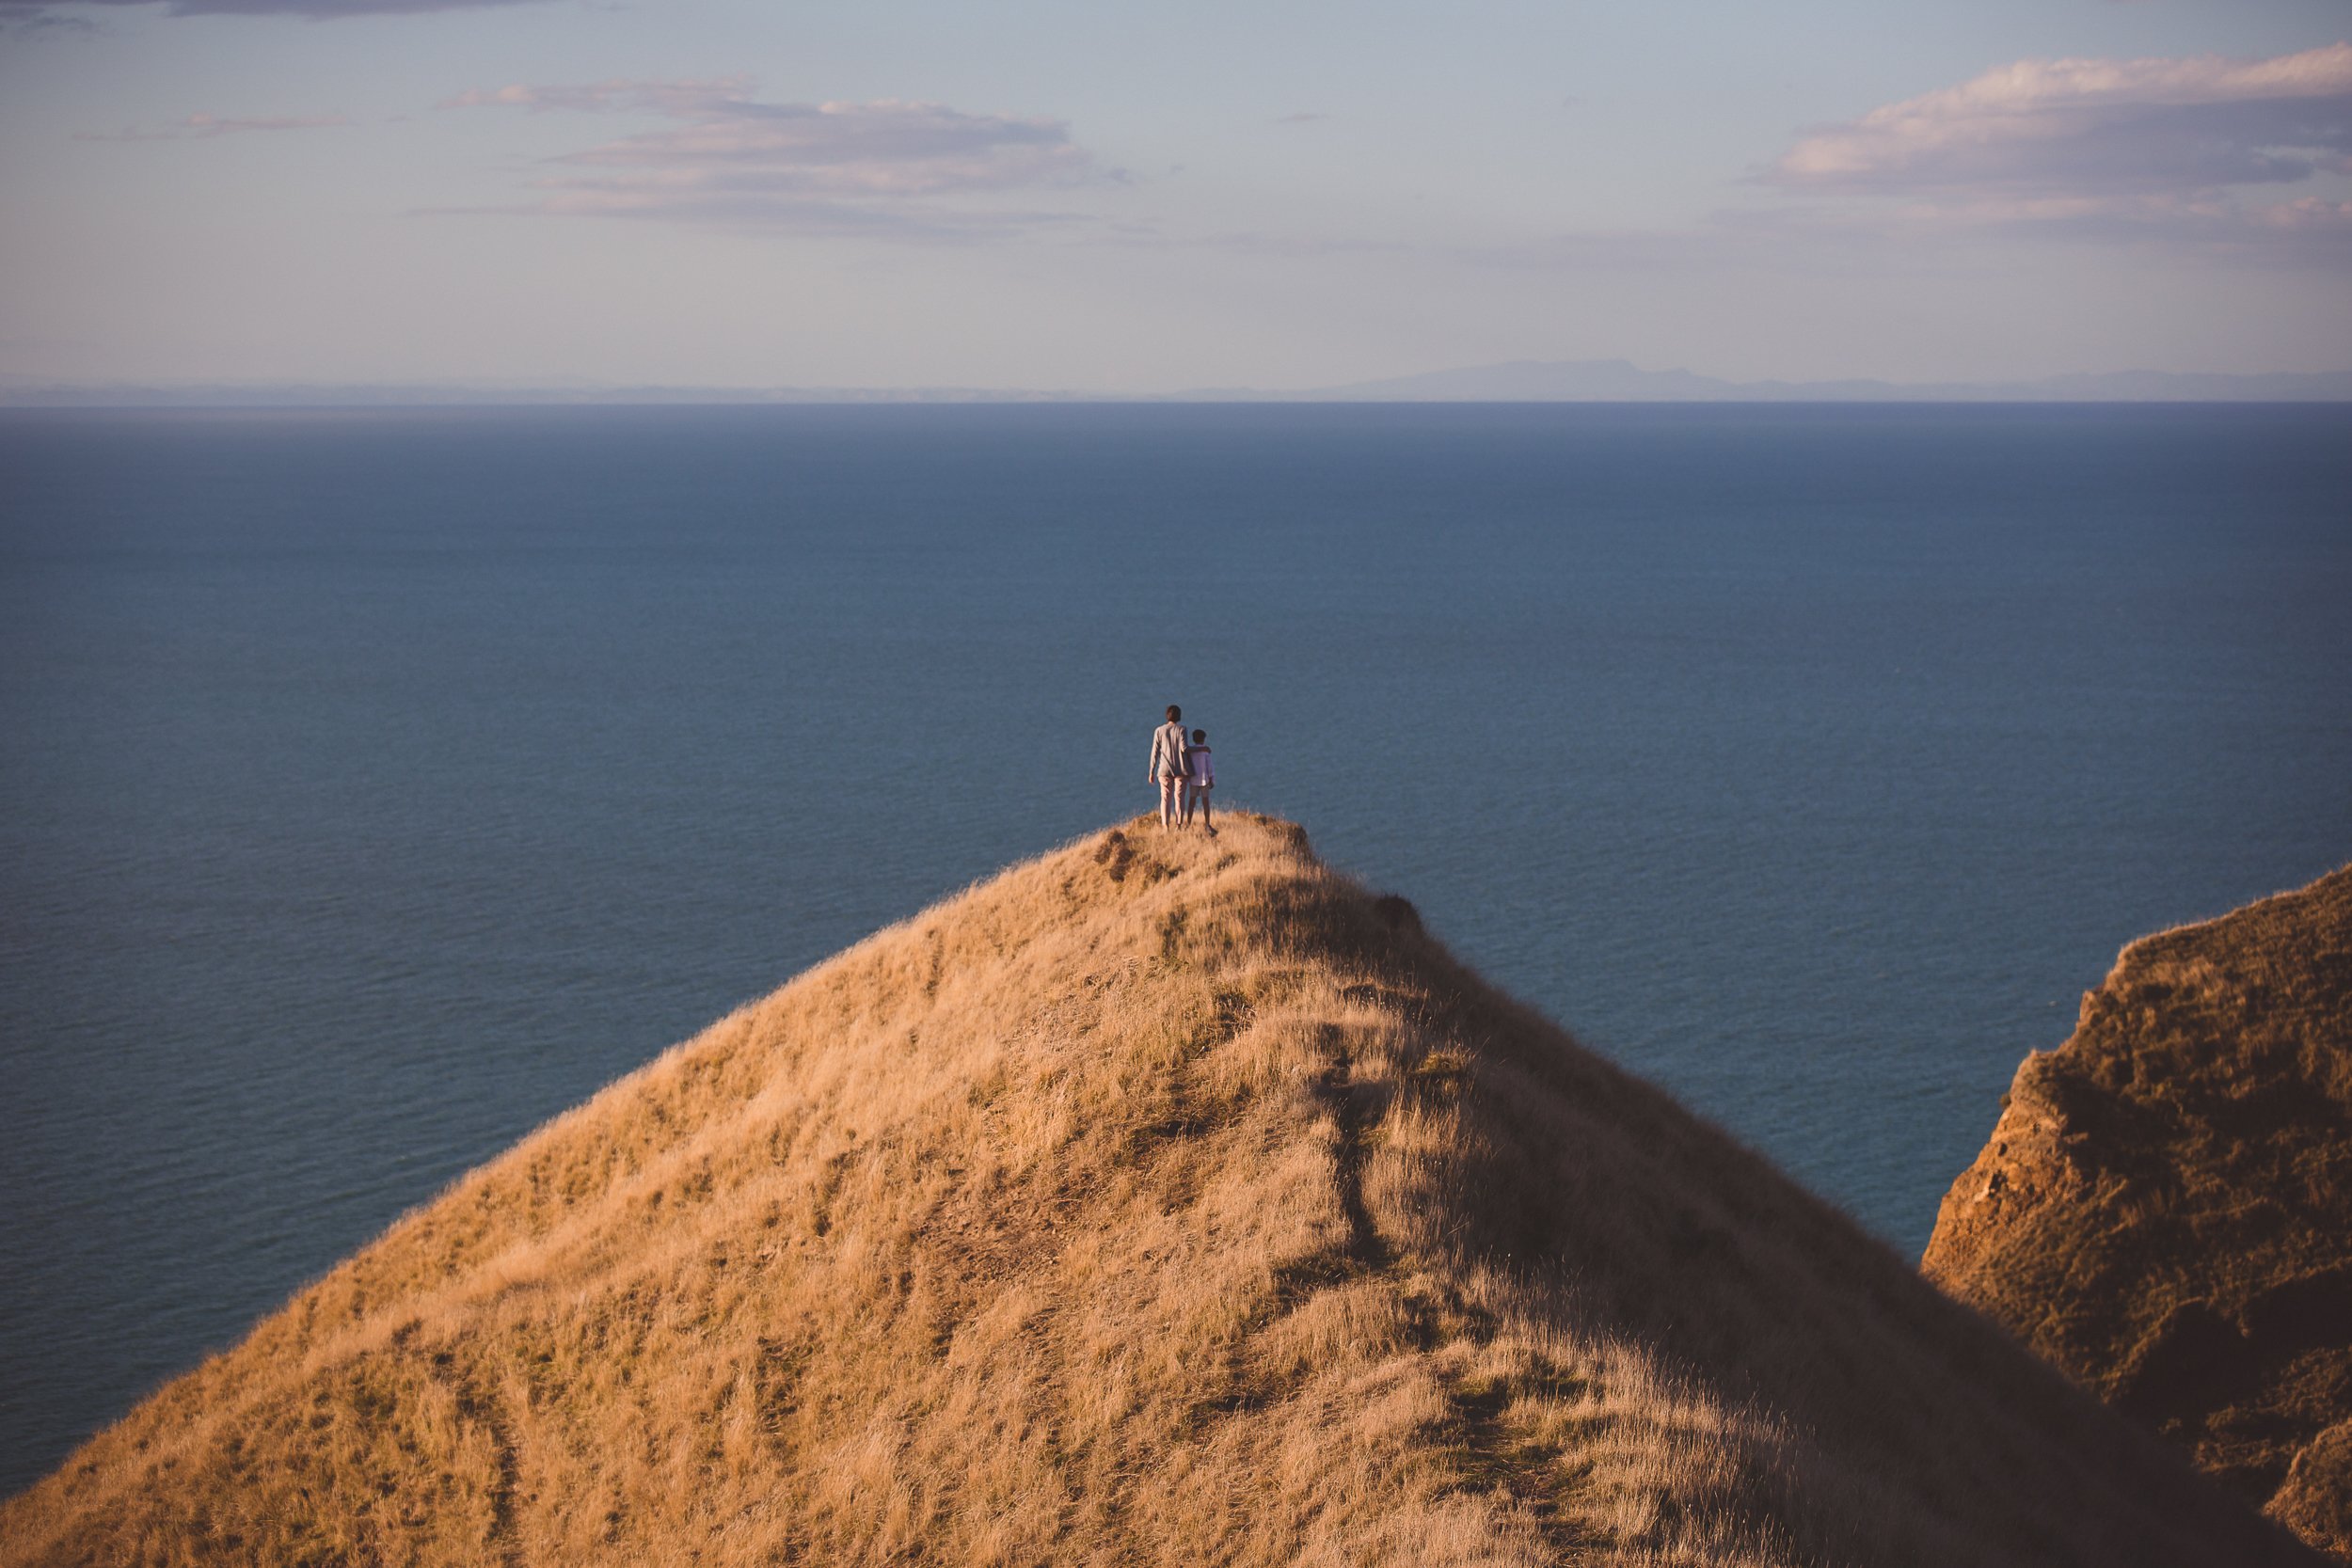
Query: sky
pixel 1099 197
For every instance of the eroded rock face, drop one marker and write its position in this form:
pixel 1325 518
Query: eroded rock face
pixel 2165 1207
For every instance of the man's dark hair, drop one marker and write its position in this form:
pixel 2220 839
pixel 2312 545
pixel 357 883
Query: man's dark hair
pixel 1174 712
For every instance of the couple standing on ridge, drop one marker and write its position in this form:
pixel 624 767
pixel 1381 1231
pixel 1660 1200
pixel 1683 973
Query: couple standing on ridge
pixel 1183 770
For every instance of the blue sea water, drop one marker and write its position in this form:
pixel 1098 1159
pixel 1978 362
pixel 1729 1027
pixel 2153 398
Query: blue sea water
pixel 374 784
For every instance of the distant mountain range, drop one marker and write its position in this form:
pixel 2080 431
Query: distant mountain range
pixel 1619 381
pixel 1520 381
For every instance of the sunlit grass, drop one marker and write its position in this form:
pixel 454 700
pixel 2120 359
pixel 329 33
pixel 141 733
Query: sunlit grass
pixel 1163 1200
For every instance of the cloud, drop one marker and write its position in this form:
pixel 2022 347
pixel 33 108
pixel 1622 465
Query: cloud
pixel 33 23
pixel 1254 241
pixel 694 98
pixel 2112 146
pixel 885 168
pixel 40 11
pixel 218 125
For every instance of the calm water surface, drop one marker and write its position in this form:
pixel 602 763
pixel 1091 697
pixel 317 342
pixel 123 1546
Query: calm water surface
pixel 374 784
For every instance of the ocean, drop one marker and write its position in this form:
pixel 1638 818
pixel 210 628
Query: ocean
pixel 376 783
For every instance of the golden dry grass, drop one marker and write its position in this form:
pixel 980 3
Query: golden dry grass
pixel 1162 1200
pixel 2165 1207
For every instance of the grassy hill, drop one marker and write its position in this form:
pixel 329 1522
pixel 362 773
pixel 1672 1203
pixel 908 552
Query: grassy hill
pixel 1161 1200
pixel 2165 1207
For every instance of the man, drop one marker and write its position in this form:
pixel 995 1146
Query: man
pixel 1171 765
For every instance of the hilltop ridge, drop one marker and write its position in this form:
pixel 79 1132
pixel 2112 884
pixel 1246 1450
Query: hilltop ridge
pixel 1159 1200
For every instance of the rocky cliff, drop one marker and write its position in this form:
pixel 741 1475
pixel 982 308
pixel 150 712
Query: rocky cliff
pixel 2165 1208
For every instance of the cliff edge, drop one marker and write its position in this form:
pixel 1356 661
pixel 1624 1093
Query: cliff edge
pixel 2165 1207
pixel 1161 1200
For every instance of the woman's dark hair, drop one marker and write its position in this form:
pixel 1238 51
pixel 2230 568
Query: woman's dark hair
pixel 1174 712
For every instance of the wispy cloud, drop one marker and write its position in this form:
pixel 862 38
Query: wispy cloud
pixel 315 10
pixel 2170 145
pixel 883 168
pixel 32 23
pixel 693 97
pixel 219 126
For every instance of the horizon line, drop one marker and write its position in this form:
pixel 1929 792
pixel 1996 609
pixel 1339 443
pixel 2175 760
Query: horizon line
pixel 1523 381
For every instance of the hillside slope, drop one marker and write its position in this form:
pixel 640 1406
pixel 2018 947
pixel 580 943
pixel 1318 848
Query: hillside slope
pixel 1159 1201
pixel 2165 1208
